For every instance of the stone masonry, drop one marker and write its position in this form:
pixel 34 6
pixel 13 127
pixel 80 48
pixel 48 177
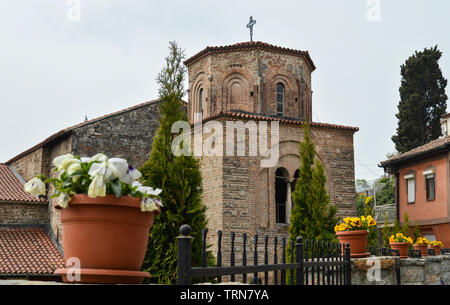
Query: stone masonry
pixel 127 134
pixel 431 270
pixel 238 83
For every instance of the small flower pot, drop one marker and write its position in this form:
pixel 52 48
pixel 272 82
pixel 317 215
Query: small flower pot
pixel 437 249
pixel 422 248
pixel 357 240
pixel 108 236
pixel 402 248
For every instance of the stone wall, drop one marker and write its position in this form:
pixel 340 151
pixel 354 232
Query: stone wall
pixel 240 194
pixel 29 165
pixel 431 270
pixel 241 80
pixel 127 135
pixel 23 213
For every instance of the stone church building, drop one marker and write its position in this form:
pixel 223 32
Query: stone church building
pixel 244 82
pixel 256 81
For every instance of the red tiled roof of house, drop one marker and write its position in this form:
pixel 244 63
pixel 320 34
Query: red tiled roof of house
pixel 436 145
pixel 28 251
pixel 11 188
pixel 251 45
pixel 255 116
pixel 69 129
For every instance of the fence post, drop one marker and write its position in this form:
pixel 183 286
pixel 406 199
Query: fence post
pixel 348 267
pixel 184 256
pixel 299 260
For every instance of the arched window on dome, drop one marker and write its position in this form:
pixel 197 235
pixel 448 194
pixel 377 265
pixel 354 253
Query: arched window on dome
pixel 280 99
pixel 201 101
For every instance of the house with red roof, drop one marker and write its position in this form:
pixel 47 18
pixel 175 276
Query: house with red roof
pixel 423 187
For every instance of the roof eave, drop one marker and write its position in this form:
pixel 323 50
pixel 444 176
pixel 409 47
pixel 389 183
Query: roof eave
pixel 414 157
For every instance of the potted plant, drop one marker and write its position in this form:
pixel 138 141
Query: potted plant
pixel 354 230
pixel 421 244
pixel 436 245
pixel 401 243
pixel 106 216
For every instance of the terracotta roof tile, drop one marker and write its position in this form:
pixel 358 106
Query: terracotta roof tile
pixel 28 251
pixel 254 116
pixel 441 143
pixel 251 45
pixel 11 188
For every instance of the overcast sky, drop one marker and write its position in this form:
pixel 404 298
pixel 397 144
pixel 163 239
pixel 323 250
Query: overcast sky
pixel 54 70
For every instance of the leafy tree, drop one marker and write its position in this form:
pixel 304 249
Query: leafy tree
pixel 179 178
pixel 422 100
pixel 360 204
pixel 385 191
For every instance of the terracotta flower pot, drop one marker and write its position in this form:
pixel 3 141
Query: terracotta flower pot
pixel 402 248
pixel 108 235
pixel 357 240
pixel 422 248
pixel 437 249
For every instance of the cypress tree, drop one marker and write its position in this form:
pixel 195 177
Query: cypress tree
pixel 179 178
pixel 422 100
pixel 312 217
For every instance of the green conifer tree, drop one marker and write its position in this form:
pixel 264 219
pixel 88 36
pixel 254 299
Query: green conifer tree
pixel 422 100
pixel 312 217
pixel 179 178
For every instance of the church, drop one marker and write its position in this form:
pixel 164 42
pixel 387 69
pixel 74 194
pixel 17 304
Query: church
pixel 254 82
pixel 248 83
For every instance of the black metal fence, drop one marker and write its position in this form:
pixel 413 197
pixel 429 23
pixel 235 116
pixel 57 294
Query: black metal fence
pixel 311 262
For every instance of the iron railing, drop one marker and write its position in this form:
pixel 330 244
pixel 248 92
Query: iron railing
pixel 315 263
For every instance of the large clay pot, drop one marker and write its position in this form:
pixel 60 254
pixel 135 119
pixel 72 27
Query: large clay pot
pixel 422 248
pixel 357 240
pixel 108 235
pixel 402 248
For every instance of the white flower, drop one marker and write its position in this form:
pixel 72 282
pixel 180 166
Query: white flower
pixel 72 168
pixel 63 200
pixel 63 162
pixel 110 168
pixel 131 175
pixel 148 205
pixel 97 187
pixel 98 157
pixel 35 187
pixel 148 190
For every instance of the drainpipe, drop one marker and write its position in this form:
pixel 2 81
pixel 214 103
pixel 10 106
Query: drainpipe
pixel 397 195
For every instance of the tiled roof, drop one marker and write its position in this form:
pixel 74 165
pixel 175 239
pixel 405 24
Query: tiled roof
pixel 255 116
pixel 436 145
pixel 11 188
pixel 69 129
pixel 28 251
pixel 251 45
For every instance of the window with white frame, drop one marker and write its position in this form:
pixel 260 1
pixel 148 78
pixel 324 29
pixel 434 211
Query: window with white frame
pixel 411 187
pixel 430 184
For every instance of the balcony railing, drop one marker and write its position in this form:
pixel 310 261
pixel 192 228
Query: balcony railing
pixel 382 211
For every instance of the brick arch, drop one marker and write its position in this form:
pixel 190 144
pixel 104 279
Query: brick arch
pixel 236 77
pixel 198 83
pixel 290 147
pixel 291 92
